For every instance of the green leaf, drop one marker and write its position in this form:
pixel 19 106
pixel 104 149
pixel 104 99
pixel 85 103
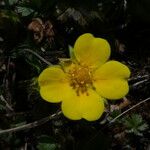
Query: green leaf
pixel 72 55
pixel 143 127
pixel 8 16
pixel 24 11
pixel 46 143
pixel 46 146
pixel 135 124
pixel 134 121
pixel 137 118
pixel 12 2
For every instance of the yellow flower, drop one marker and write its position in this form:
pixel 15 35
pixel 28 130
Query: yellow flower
pixel 82 86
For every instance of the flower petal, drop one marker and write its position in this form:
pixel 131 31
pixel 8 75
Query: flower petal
pixel 71 108
pixel 112 89
pixel 111 70
pixel 88 107
pixel 53 84
pixel 92 107
pixel 91 51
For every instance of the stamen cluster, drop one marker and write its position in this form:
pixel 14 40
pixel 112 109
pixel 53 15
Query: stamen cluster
pixel 80 79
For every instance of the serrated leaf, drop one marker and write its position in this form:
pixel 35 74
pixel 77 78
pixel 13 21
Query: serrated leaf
pixel 136 118
pixel 134 121
pixel 143 127
pixel 135 124
pixel 25 11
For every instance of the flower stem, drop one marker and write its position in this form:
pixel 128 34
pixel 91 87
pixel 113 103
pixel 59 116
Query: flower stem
pixel 143 101
pixel 30 125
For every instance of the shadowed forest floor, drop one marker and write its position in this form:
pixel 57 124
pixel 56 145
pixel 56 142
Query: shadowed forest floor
pixel 34 34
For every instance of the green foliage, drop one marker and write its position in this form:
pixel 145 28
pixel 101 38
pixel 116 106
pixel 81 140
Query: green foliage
pixel 114 114
pixel 8 16
pixel 116 20
pixel 47 143
pixel 135 124
pixel 12 2
pixel 24 11
pixel 71 53
pixel 46 146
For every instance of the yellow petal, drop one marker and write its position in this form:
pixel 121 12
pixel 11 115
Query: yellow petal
pixel 71 108
pixel 55 93
pixel 88 107
pixel 111 70
pixel 91 51
pixel 51 74
pixel 112 89
pixel 92 106
pixel 53 84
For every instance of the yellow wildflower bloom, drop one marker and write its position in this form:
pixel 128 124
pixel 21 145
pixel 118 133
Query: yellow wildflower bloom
pixel 82 86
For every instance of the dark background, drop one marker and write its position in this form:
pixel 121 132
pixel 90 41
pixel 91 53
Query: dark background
pixel 124 23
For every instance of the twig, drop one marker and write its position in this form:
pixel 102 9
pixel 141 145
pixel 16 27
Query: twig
pixel 140 82
pixel 113 120
pixel 6 85
pixel 25 146
pixel 30 125
pixel 6 103
pixel 143 101
pixel 139 77
pixel 40 57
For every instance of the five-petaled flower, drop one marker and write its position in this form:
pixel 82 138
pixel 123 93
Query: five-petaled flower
pixel 82 86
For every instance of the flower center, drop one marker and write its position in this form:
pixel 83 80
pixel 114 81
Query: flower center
pixel 80 79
